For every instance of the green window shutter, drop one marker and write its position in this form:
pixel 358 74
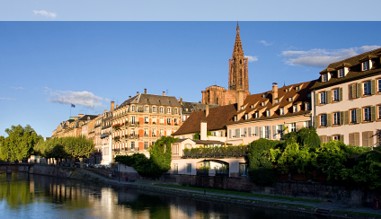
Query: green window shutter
pixel 317 102
pixel 329 119
pixel 358 115
pixel 316 122
pixel 373 113
pixel 346 117
pixel 350 92
pixel 328 94
pixel 373 87
pixel 359 90
pixel 340 94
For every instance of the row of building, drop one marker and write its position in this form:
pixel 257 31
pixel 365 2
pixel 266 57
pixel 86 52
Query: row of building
pixel 344 103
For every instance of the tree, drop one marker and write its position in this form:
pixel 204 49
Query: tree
pixel 160 153
pixel 261 169
pixel 19 144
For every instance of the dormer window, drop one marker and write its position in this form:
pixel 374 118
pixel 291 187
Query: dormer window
pixel 365 65
pixel 235 118
pixel 246 117
pixel 256 114
pixel 294 108
pixel 307 106
pixel 281 111
pixel 297 88
pixel 263 104
pixel 252 106
pixel 290 99
pixel 340 73
pixel 324 77
pixel 267 113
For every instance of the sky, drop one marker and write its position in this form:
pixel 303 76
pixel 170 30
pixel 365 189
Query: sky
pixel 88 54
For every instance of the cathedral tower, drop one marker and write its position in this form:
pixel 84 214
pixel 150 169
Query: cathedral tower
pixel 238 80
pixel 238 67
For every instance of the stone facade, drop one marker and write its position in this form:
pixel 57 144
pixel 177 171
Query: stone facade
pixel 238 86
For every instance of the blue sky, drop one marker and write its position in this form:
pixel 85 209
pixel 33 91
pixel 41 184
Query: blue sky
pixel 46 66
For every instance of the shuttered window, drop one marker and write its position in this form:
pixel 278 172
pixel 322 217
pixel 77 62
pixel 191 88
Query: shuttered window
pixel 367 138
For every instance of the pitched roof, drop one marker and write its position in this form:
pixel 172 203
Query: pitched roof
pixel 217 119
pixel 151 99
pixel 354 63
pixel 287 97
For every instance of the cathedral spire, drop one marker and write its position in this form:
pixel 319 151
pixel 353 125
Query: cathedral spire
pixel 238 66
pixel 237 51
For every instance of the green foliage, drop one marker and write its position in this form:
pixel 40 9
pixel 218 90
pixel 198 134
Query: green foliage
pixel 196 136
pixel 295 159
pixel 67 147
pixel 305 137
pixel 158 163
pixel 260 161
pixel 19 144
pixel 215 152
pixel 161 154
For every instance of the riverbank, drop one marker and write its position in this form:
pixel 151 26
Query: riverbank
pixel 256 200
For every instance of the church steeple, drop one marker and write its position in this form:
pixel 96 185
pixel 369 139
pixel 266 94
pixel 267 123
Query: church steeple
pixel 238 66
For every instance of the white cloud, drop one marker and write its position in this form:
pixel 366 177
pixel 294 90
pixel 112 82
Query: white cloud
pixel 82 98
pixel 252 58
pixel 17 88
pixel 265 43
pixel 45 13
pixel 322 57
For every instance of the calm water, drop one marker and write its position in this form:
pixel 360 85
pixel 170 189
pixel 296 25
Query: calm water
pixel 23 196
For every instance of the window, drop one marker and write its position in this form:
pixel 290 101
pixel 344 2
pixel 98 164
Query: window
pixel 168 121
pixel 294 108
pixel 246 117
pixel 146 120
pixel 367 88
pixel 255 131
pixel 133 120
pixel 175 168
pixel 154 109
pixel 244 132
pixel 379 85
pixel 237 133
pixel 281 111
pixel 146 109
pixel 256 114
pixel 243 169
pixel 352 91
pixel 336 118
pixel 169 110
pixel 323 120
pixel 379 111
pixel 161 132
pixel 153 132
pixel 293 127
pixel 354 139
pixel 337 137
pixel 132 145
pixel 189 168
pixel 280 130
pixel 175 110
pixel 323 97
pixel 340 73
pixel 336 94
pixel 353 116
pixel 367 114
pixel 132 108
pixel 161 109
pixel 365 65
pixel 146 145
pixel 145 132
pixel 367 138
pixel 267 132
pixel 267 113
pixel 324 77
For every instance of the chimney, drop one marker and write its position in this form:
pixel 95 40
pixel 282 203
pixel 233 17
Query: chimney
pixel 145 90
pixel 203 130
pixel 163 93
pixel 181 101
pixel 207 110
pixel 137 93
pixel 112 106
pixel 274 92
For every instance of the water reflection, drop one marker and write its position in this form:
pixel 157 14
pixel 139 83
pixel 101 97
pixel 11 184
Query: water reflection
pixel 23 196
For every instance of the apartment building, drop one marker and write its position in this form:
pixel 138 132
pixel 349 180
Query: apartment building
pixel 347 100
pixel 81 125
pixel 271 114
pixel 142 119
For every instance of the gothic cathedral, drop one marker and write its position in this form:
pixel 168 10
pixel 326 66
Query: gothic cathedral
pixel 238 88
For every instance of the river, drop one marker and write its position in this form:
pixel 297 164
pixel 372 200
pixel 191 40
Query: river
pixel 34 196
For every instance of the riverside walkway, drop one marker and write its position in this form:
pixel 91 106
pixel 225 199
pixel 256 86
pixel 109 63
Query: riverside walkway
pixel 295 204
